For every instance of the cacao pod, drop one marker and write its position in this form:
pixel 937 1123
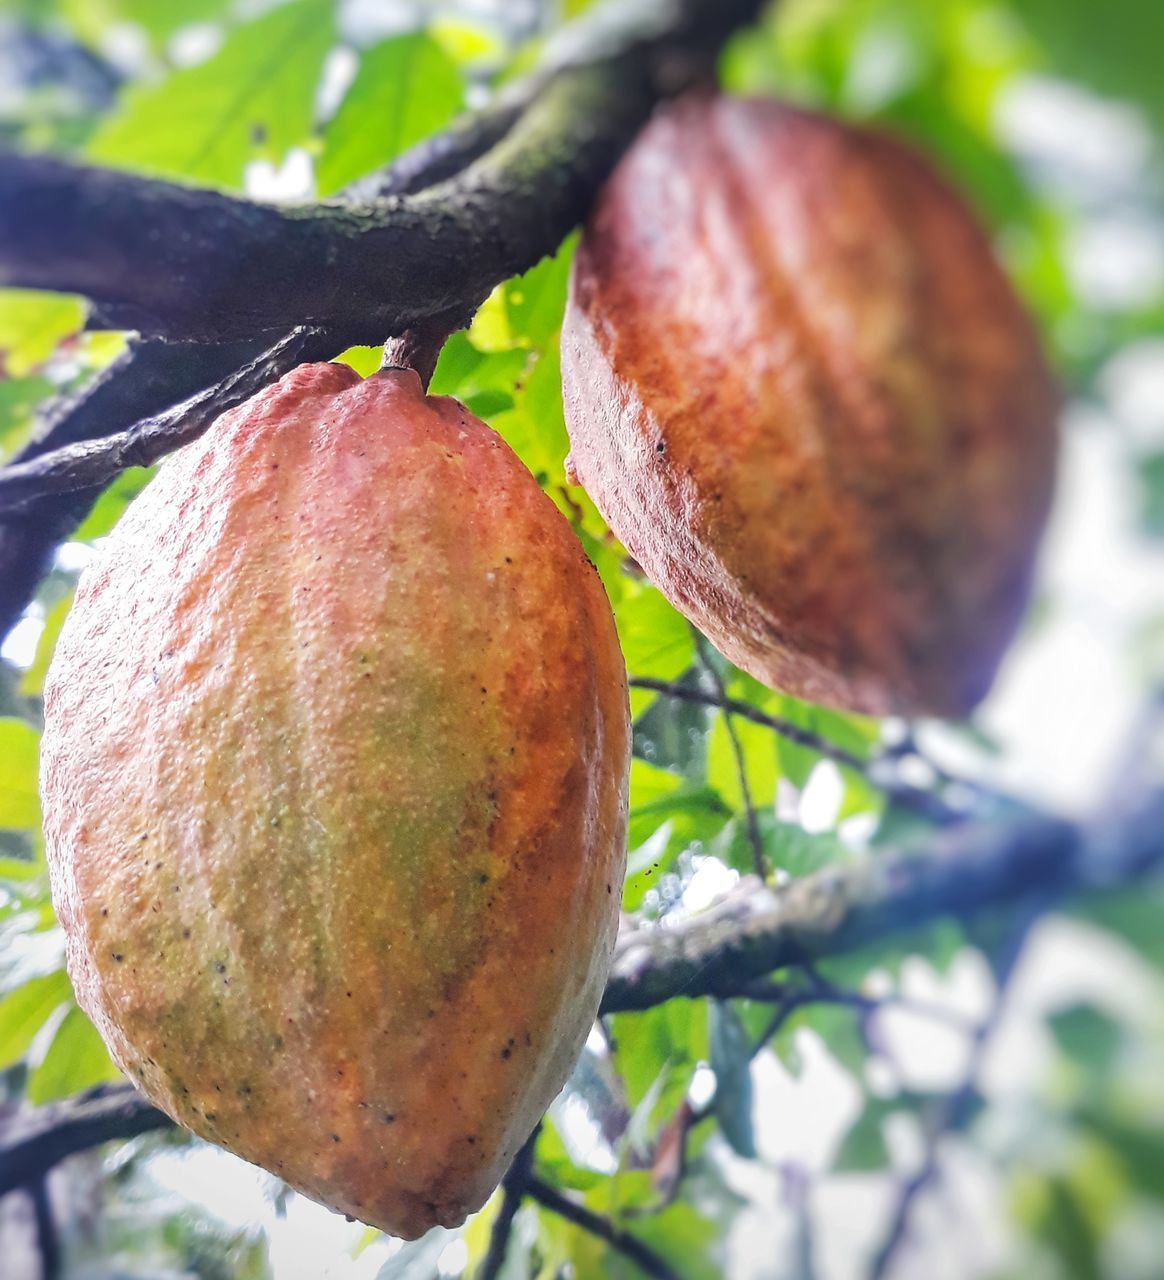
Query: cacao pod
pixel 335 780
pixel 806 399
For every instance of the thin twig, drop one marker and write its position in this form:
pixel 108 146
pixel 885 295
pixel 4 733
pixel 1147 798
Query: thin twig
pixel 903 793
pixel 954 1108
pixel 755 837
pixel 95 462
pixel 642 1255
pixel 513 1189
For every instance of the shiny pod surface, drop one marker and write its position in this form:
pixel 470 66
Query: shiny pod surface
pixel 805 397
pixel 334 776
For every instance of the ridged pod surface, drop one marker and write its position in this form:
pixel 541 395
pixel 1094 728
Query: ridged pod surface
pixel 807 400
pixel 334 777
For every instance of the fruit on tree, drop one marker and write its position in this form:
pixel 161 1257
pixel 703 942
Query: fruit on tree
pixel 335 782
pixel 807 400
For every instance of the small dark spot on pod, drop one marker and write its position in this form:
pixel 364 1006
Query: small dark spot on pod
pixel 335 1137
pixel 389 1118
pixel 117 956
pixel 507 1052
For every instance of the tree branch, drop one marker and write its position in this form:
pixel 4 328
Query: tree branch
pixel 93 463
pixel 753 930
pixel 33 1141
pixel 239 268
pixel 642 1255
pixel 955 1107
pixel 425 239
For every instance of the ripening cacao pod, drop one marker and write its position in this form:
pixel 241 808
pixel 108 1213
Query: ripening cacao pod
pixel 335 782
pixel 806 399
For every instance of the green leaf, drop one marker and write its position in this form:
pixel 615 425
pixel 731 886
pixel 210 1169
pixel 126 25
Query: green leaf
pixel 672 1037
pixel 77 1059
pixel 32 682
pixel 24 1011
pixel 32 326
pixel 863 1149
pixel 656 639
pixel 91 21
pixel 405 89
pixel 254 98
pixel 731 1060
pixel 19 400
pixel 19 749
pixel 536 300
pixel 1119 56
pixel 758 748
pixel 790 849
pixel 111 505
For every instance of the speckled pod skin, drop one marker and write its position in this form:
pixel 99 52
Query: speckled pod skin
pixel 807 400
pixel 335 783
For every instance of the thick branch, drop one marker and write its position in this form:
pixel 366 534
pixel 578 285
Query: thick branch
pixel 92 463
pixel 754 930
pixel 32 1142
pixel 238 268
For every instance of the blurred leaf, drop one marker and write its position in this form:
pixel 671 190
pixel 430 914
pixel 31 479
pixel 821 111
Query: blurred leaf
pixel 19 750
pixel 731 1060
pixel 19 400
pixel 1064 1228
pixel 405 89
pixel 536 300
pixel 790 848
pixel 254 98
pixel 91 19
pixel 656 640
pixel 76 1059
pixel 1139 1148
pixel 417 1259
pixel 32 682
pixel 863 1149
pixel 32 325
pixel 1118 56
pixel 464 370
pixel 26 1009
pixel 670 1039
pixel 1150 475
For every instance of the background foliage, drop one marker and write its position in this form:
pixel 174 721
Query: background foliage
pixel 740 1136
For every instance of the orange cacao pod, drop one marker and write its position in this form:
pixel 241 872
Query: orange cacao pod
pixel 334 776
pixel 806 399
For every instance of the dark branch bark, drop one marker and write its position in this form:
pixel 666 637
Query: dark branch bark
pixel 148 378
pixel 754 930
pixel 180 262
pixel 91 463
pixel 433 235
pixel 32 1142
